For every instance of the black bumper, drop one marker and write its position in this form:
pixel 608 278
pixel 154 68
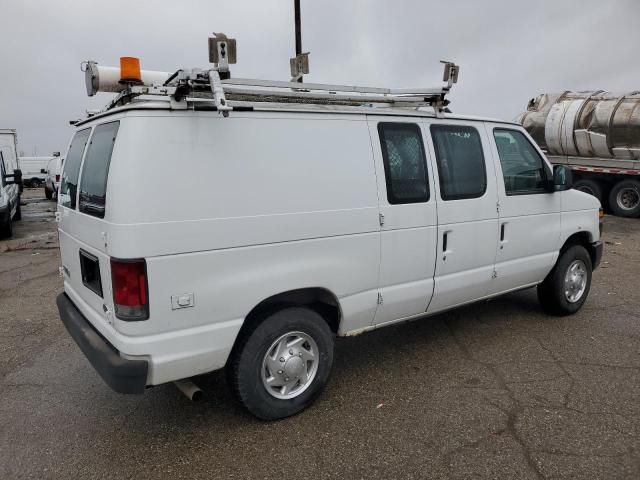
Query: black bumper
pixel 596 253
pixel 122 375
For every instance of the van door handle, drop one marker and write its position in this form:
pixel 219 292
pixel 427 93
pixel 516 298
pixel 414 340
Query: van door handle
pixel 502 232
pixel 445 236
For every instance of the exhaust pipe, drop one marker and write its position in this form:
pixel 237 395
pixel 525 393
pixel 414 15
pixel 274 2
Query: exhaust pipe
pixel 190 389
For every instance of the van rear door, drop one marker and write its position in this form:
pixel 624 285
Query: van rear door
pixel 83 232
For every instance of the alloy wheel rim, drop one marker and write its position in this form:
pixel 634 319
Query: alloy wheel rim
pixel 289 365
pixel 575 281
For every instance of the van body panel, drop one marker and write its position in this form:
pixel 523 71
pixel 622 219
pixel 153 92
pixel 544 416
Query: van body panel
pixel 274 204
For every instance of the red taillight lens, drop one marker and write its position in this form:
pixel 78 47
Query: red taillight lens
pixel 130 287
pixel 57 178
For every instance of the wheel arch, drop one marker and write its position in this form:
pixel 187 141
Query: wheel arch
pixel 321 300
pixel 584 239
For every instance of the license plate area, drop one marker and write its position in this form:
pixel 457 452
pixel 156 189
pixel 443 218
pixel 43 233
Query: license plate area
pixel 90 271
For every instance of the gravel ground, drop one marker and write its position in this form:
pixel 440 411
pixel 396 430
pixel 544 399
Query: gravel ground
pixel 494 390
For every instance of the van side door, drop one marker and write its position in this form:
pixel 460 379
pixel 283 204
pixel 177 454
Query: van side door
pixel 408 217
pixel 467 212
pixel 529 211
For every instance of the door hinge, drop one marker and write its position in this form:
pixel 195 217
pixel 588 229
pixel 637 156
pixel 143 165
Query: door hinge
pixel 381 218
pixel 380 300
pixel 494 274
pixel 497 207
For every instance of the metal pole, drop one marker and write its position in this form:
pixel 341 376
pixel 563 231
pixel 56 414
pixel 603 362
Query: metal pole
pixel 296 4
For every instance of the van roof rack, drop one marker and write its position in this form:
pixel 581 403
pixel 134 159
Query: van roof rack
pixel 216 85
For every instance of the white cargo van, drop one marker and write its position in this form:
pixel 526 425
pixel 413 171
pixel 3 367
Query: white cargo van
pixel 10 182
pixel 313 214
pixel 52 177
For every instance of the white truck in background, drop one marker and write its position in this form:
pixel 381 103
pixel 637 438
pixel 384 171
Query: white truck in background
pixel 52 177
pixel 10 182
pixel 34 170
pixel 597 135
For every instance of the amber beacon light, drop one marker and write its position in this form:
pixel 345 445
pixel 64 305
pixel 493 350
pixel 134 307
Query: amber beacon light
pixel 130 70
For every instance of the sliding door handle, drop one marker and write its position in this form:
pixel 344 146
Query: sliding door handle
pixel 502 232
pixel 445 237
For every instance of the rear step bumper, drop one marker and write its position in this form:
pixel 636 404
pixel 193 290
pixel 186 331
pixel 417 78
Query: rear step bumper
pixel 121 374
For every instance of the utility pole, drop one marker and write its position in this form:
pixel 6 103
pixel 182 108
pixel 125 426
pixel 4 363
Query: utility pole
pixel 300 63
pixel 296 5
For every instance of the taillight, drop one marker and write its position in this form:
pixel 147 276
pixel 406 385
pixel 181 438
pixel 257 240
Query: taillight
pixel 57 178
pixel 130 289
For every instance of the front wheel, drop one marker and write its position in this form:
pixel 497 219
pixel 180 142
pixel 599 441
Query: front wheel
pixel 6 227
pixel 566 288
pixel 282 365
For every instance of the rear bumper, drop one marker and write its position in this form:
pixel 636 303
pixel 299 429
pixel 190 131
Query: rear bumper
pixel 596 253
pixel 122 375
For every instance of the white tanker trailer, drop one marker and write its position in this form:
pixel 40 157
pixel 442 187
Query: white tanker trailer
pixel 597 135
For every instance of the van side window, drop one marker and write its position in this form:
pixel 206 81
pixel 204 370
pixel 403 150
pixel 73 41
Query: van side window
pixel 404 162
pixel 460 161
pixel 93 186
pixel 523 169
pixel 69 179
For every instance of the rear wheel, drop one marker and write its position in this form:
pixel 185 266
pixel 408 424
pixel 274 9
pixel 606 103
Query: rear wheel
pixel 624 199
pixel 592 187
pixel 279 367
pixel 566 288
pixel 48 193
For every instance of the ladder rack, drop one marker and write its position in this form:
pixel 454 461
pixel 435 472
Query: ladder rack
pixel 207 85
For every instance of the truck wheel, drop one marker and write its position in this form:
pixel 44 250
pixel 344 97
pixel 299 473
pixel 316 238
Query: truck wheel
pixel 592 187
pixel 566 288
pixel 48 193
pixel 281 366
pixel 624 199
pixel 18 215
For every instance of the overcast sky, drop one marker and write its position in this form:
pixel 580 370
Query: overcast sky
pixel 509 50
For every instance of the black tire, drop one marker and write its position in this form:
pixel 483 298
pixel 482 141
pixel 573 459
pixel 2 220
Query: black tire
pixel 245 366
pixel 624 198
pixel 6 227
pixel 592 187
pixel 48 193
pixel 18 215
pixel 551 292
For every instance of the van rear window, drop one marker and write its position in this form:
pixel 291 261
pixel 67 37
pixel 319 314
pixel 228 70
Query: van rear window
pixel 93 185
pixel 69 183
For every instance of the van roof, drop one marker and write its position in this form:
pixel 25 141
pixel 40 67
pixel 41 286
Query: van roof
pixel 142 103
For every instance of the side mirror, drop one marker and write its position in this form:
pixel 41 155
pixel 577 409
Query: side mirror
pixel 562 178
pixel 43 170
pixel 14 178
